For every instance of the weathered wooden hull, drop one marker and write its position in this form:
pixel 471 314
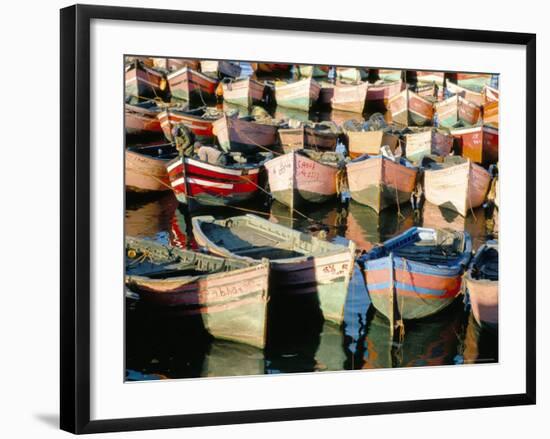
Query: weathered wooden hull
pixel 369 142
pixel 421 290
pixel 473 81
pixel 457 109
pixel 423 76
pixel 379 182
pixel 324 272
pixel 270 67
pixel 426 142
pixel 142 82
pixel 212 185
pixel 350 97
pixel 408 108
pixel 470 95
pixel 295 179
pixel 243 92
pixel 144 173
pixel 460 187
pixel 490 114
pixel 292 139
pixel 300 95
pixel 468 112
pixel 479 144
pixel 190 85
pixel 351 74
pixel 389 75
pixel 326 93
pixel 172 64
pixel 140 121
pixel 307 71
pixel 240 135
pixel 202 127
pixel 382 93
pixel 232 304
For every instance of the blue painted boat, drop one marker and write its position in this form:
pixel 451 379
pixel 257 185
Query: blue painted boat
pixel 416 274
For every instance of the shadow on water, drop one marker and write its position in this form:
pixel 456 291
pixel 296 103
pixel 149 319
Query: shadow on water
pixel 161 344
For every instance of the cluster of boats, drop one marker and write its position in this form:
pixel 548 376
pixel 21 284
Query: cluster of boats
pixel 437 141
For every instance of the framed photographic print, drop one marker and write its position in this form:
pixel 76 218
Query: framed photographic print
pixel 273 218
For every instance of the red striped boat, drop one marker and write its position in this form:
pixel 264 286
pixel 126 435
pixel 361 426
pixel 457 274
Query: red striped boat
pixel 198 121
pixel 190 85
pixel 416 274
pixel 215 185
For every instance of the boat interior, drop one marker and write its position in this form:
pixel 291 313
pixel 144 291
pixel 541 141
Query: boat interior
pixel 485 264
pixel 164 151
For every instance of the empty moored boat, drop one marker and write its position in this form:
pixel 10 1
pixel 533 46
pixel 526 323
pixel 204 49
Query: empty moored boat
pixel 416 274
pixel 318 136
pixel 199 121
pixel 145 167
pixel 244 92
pixel 196 182
pixel 350 97
pixel 409 108
pixel 351 74
pixel 303 176
pixel 299 262
pixel 312 71
pixel 473 81
pixel 381 92
pixel 455 183
pixel 426 141
pixel 220 69
pixel 300 95
pixel 143 82
pixel 141 119
pixel 189 85
pixel 380 182
pixel 230 294
pixel 244 135
pixel 481 282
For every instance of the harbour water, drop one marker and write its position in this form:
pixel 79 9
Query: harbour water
pixel 162 345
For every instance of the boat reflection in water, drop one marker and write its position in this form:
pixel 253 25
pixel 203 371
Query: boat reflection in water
pixel 160 345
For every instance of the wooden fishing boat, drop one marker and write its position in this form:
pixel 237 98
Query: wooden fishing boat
pixel 199 121
pixel 141 119
pixel 270 68
pixel 350 97
pixel 457 109
pixel 220 69
pixel 416 274
pixel 479 144
pixel 189 85
pixel 145 167
pixel 230 294
pixel 470 95
pixel 473 81
pixel 481 281
pixel 299 262
pixel 387 74
pixel 244 135
pixel 351 74
pixel 380 182
pixel 142 82
pixel 426 77
pixel 429 91
pixel 196 182
pixel 312 71
pixel 408 108
pixel 427 141
pixel 317 136
pixel 244 92
pixel 303 176
pixel 300 95
pixel 456 183
pixel 172 64
pixel 369 142
pixel 382 92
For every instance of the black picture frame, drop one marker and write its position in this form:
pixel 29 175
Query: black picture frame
pixel 75 217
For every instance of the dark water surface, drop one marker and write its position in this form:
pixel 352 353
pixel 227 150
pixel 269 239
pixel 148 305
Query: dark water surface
pixel 160 345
